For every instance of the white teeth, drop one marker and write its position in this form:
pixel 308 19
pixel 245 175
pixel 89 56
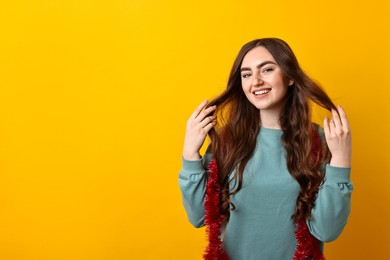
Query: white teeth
pixel 261 92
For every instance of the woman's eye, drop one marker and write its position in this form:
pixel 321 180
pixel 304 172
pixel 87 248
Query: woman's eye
pixel 246 75
pixel 267 70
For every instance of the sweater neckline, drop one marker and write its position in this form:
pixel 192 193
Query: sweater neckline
pixel 271 130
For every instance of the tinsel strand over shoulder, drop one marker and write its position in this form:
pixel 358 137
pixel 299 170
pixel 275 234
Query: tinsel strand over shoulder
pixel 308 247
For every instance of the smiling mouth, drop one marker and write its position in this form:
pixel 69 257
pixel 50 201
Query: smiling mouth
pixel 262 92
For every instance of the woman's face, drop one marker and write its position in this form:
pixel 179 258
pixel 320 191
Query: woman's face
pixel 263 81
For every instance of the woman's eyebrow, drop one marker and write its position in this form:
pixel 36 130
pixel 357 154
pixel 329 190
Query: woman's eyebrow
pixel 259 66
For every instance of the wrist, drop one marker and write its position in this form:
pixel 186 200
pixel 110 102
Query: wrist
pixel 191 156
pixel 340 162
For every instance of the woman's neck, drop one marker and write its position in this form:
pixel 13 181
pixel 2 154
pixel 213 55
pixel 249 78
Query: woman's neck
pixel 270 119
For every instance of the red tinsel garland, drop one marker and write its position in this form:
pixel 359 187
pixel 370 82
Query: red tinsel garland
pixel 213 218
pixel 308 247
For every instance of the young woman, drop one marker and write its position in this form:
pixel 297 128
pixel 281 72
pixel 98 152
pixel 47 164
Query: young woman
pixel 278 185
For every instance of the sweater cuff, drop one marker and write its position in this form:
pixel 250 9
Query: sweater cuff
pixel 338 174
pixel 193 166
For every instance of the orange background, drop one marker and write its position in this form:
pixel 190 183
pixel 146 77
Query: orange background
pixel 94 96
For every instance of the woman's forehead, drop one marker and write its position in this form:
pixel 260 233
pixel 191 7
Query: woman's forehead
pixel 257 56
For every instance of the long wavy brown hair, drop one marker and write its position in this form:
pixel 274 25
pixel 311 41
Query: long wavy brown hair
pixel 233 140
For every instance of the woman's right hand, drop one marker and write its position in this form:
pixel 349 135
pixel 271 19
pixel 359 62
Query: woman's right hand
pixel 198 125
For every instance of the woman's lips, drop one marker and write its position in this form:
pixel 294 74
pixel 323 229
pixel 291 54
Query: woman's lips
pixel 262 92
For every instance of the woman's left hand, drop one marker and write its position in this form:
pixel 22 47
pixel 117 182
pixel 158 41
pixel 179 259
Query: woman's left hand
pixel 338 138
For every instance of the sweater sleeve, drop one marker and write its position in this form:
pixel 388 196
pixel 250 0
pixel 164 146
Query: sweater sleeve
pixel 333 204
pixel 192 182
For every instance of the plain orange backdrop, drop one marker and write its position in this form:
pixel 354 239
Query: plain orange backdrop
pixel 94 96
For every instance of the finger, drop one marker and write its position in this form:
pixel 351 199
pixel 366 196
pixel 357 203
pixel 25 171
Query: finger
pixel 336 120
pixel 206 121
pixel 208 127
pixel 199 109
pixel 343 117
pixel 326 127
pixel 332 127
pixel 205 113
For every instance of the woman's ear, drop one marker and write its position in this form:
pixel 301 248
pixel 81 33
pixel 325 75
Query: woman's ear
pixel 290 82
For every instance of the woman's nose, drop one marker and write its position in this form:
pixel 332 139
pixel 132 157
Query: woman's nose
pixel 257 80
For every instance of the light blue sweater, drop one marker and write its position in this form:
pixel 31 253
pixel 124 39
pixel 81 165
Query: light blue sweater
pixel 261 226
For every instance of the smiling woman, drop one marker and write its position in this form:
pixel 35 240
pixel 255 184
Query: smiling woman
pixel 272 184
pixel 263 82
